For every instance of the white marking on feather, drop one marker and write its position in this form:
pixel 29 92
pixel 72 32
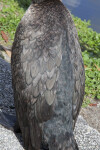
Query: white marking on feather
pixel 50 74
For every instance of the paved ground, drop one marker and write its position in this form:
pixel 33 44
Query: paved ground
pixel 92 115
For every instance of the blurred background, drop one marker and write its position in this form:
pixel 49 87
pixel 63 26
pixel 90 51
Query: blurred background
pixel 86 9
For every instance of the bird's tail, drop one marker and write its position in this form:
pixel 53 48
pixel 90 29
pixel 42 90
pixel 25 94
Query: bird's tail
pixel 71 144
pixel 63 142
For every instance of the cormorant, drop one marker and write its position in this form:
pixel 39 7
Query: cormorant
pixel 48 76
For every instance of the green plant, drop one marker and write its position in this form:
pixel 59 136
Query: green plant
pixel 90 45
pixel 92 73
pixel 86 102
pixel 24 3
pixel 89 39
pixel 10 16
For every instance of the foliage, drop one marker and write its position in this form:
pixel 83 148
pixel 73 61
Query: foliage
pixel 90 45
pixel 89 39
pixel 92 73
pixel 10 15
pixel 86 102
pixel 24 3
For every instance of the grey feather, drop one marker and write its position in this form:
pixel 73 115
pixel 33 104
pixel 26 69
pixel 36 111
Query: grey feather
pixel 48 76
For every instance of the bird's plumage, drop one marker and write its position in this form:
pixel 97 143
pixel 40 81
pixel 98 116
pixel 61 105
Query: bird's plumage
pixel 48 76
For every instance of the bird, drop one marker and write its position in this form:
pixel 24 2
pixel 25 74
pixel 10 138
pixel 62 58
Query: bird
pixel 47 76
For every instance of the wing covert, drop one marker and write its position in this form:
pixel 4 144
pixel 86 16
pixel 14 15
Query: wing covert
pixel 41 78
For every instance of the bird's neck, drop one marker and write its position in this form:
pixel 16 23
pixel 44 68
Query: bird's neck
pixel 37 1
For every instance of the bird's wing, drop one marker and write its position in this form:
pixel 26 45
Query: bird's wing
pixel 41 71
pixel 35 73
pixel 78 66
